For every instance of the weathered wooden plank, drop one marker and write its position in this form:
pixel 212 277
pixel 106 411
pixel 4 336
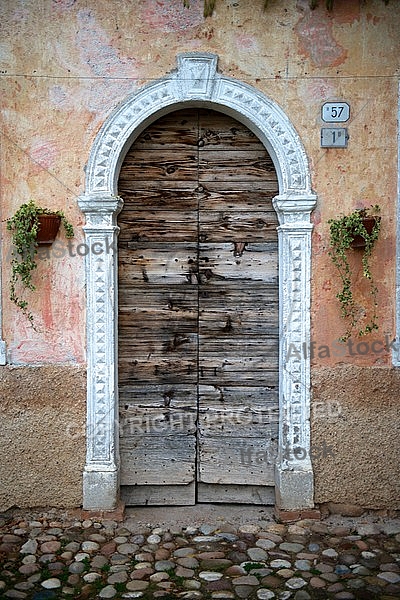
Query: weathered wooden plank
pixel 263 346
pixel 225 188
pixel 236 494
pixel 169 300
pixel 221 131
pixel 157 460
pixel 217 375
pixel 133 315
pixel 233 325
pixel 144 265
pixel 159 495
pixel 246 362
pixel 154 415
pixel 153 343
pixel 157 358
pixel 237 226
pixel 237 422
pixel 253 298
pixel 160 306
pixel 171 193
pixel 170 165
pixel 178 129
pixel 209 165
pixel 157 421
pixel 172 332
pixel 235 460
pixel 262 397
pixel 215 165
pixel 158 344
pixel 145 419
pixel 156 368
pixel 214 369
pixel 239 200
pixel 238 320
pixel 151 196
pixel 238 411
pixel 157 395
pixel 215 225
pixel 157 226
pixel 162 301
pixel 221 263
pixel 252 309
pixel 197 127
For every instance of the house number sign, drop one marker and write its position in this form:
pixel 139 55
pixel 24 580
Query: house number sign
pixel 335 112
pixel 334 137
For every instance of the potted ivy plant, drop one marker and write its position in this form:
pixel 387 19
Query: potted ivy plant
pixel 356 231
pixel 27 225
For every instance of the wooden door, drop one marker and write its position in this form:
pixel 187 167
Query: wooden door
pixel 198 314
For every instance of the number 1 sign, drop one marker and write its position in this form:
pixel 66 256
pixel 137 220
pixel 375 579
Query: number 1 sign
pixel 334 137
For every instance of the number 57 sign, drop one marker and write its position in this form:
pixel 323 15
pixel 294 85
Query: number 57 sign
pixel 335 112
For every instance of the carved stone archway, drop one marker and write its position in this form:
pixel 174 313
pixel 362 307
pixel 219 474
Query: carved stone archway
pixel 196 82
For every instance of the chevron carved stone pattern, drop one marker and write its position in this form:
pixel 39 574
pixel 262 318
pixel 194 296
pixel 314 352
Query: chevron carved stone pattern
pixel 197 80
pixel 101 450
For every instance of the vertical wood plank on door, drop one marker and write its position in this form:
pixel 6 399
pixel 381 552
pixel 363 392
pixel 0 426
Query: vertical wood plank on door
pixel 158 314
pixel 238 313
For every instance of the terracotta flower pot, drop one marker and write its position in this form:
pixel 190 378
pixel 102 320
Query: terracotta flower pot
pixel 48 229
pixel 359 241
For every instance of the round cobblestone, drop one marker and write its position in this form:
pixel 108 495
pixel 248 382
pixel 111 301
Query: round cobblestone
pixel 260 561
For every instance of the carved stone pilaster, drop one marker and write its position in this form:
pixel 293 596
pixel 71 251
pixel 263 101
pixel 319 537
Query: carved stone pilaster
pixel 100 477
pixel 294 474
pixel 396 349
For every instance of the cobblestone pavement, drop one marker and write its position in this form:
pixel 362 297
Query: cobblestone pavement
pixel 45 555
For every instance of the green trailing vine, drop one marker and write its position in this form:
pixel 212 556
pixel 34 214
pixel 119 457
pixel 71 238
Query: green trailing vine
pixel 209 5
pixel 343 232
pixel 24 226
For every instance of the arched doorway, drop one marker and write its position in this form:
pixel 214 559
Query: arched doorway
pixel 198 313
pixel 196 83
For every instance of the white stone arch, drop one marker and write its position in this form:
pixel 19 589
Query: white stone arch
pixel 196 82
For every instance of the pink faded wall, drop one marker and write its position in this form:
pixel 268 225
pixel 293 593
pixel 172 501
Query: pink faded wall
pixel 66 64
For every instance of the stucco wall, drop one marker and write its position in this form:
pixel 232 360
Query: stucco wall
pixel 356 436
pixel 65 65
pixel 42 441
